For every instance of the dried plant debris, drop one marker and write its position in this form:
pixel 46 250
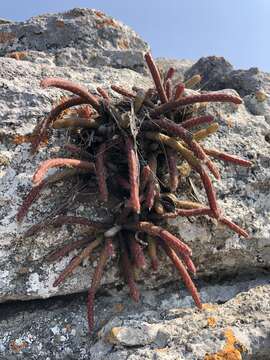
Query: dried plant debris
pixel 140 149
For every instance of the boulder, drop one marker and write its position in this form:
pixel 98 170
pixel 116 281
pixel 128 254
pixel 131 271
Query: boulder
pixel 76 38
pixel 242 193
pixel 217 73
pixel 213 70
pixel 234 324
pixel 93 49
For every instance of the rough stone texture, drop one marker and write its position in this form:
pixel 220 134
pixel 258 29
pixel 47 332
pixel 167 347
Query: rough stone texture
pixel 243 194
pixel 165 327
pixel 217 73
pixel 4 21
pixel 22 103
pixel 74 38
pixel 181 66
pixel 213 70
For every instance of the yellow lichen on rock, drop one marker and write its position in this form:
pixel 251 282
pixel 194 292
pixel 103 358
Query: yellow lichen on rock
pixel 210 307
pixel 231 351
pixel 261 96
pixel 112 335
pixel 17 55
pixel 212 322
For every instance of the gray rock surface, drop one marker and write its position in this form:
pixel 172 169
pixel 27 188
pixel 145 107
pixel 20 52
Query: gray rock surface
pixel 243 193
pixel 23 103
pixel 162 326
pixel 165 327
pixel 213 70
pixel 217 73
pixel 181 67
pixel 79 37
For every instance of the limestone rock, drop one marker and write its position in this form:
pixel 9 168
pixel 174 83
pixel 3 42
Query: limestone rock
pixel 217 73
pixel 95 50
pixel 79 37
pixel 181 66
pixel 24 272
pixel 162 326
pixel 243 193
pixel 213 70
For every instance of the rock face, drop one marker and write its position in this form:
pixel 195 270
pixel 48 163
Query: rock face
pixel 22 104
pixel 243 193
pixel 79 37
pixel 164 325
pixel 92 49
pixel 213 71
pixel 180 66
pixel 252 84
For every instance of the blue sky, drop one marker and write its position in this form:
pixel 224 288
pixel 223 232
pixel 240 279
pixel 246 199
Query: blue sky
pixel 239 30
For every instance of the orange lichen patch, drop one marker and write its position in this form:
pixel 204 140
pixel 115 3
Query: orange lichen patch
pixel 210 307
pixel 113 334
pixel 261 96
pixel 202 105
pixel 229 121
pixel 123 44
pixel 29 138
pixel 6 36
pixel 161 350
pixel 68 328
pixel 231 351
pixel 212 322
pixel 59 24
pixel 99 14
pixel 17 55
pixel 17 346
pixel 4 160
pixel 118 307
pixel 21 139
pixel 107 22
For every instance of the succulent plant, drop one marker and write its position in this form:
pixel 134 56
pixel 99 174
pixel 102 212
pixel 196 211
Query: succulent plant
pixel 139 148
